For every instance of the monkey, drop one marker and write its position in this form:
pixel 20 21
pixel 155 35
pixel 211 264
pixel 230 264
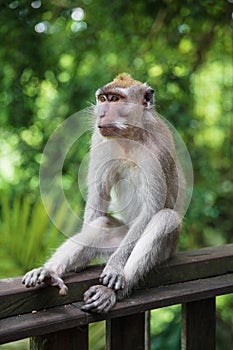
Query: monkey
pixel 132 153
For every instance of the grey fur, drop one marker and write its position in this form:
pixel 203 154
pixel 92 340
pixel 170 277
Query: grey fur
pixel 139 161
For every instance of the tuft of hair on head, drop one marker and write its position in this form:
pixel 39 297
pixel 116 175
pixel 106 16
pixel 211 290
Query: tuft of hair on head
pixel 124 80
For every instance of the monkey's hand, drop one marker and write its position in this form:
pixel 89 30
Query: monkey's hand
pixel 99 299
pixel 39 275
pixel 112 278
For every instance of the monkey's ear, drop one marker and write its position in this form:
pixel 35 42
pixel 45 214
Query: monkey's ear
pixel 148 98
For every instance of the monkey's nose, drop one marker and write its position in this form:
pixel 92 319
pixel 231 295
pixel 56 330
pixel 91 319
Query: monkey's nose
pixel 105 126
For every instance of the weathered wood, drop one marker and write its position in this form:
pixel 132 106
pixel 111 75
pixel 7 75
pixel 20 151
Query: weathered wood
pixel 147 330
pixel 193 264
pixel 72 339
pixel 64 317
pixel 126 333
pixel 198 325
pixel 15 299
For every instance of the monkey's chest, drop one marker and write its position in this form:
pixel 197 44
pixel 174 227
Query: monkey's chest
pixel 126 194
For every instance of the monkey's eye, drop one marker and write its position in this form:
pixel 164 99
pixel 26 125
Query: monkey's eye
pixel 102 98
pixel 115 98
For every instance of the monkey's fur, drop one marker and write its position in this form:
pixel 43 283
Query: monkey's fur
pixel 133 152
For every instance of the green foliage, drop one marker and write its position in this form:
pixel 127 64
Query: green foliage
pixel 97 336
pixel 26 235
pixel 224 322
pixel 166 328
pixel 19 345
pixel 183 50
pixel 54 54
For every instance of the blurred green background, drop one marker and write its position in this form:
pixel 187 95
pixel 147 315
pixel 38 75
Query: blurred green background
pixel 53 56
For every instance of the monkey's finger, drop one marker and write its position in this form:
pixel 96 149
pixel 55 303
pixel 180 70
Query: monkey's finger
pixel 102 276
pixel 105 279
pixel 89 293
pixel 102 306
pixel 94 297
pixel 24 279
pixel 111 281
pixel 63 290
pixel 89 306
pixel 27 280
pixel 57 281
pixel 120 283
pixel 107 308
pixel 30 279
pixel 43 274
pixel 95 306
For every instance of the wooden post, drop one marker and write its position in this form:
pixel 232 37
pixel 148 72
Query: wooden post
pixel 72 339
pixel 126 333
pixel 147 330
pixel 198 325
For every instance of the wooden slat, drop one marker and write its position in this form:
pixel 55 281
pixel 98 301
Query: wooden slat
pixel 193 264
pixel 64 317
pixel 16 299
pixel 72 339
pixel 126 333
pixel 198 325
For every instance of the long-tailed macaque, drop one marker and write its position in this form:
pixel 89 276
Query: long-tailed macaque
pixel 133 153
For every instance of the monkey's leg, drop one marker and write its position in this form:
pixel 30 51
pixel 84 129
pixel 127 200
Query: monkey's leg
pixel 157 244
pixel 101 235
pixel 158 232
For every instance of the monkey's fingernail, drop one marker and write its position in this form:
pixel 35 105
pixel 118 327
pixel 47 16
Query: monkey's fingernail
pixel 63 291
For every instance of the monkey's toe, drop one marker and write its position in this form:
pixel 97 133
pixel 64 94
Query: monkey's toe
pixel 99 299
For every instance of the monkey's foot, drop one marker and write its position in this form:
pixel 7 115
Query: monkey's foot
pixel 39 275
pixel 99 299
pixel 112 278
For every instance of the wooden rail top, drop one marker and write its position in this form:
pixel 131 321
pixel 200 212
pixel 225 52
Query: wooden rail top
pixel 190 276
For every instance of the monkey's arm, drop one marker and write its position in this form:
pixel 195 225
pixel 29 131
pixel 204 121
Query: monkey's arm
pixel 113 273
pixel 77 252
pixel 61 261
pixel 157 244
pixel 73 254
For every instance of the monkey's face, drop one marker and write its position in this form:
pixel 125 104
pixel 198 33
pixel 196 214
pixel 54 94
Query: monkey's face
pixel 112 114
pixel 120 107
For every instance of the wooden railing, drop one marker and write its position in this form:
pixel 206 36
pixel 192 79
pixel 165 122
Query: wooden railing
pixel 192 278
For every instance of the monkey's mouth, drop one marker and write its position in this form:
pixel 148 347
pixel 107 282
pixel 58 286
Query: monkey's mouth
pixel 109 130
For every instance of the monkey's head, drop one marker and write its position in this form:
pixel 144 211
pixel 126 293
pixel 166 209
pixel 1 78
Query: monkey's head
pixel 121 105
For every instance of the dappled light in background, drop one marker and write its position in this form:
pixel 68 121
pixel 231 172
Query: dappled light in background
pixel 77 14
pixel 41 27
pixel 53 56
pixel 36 4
